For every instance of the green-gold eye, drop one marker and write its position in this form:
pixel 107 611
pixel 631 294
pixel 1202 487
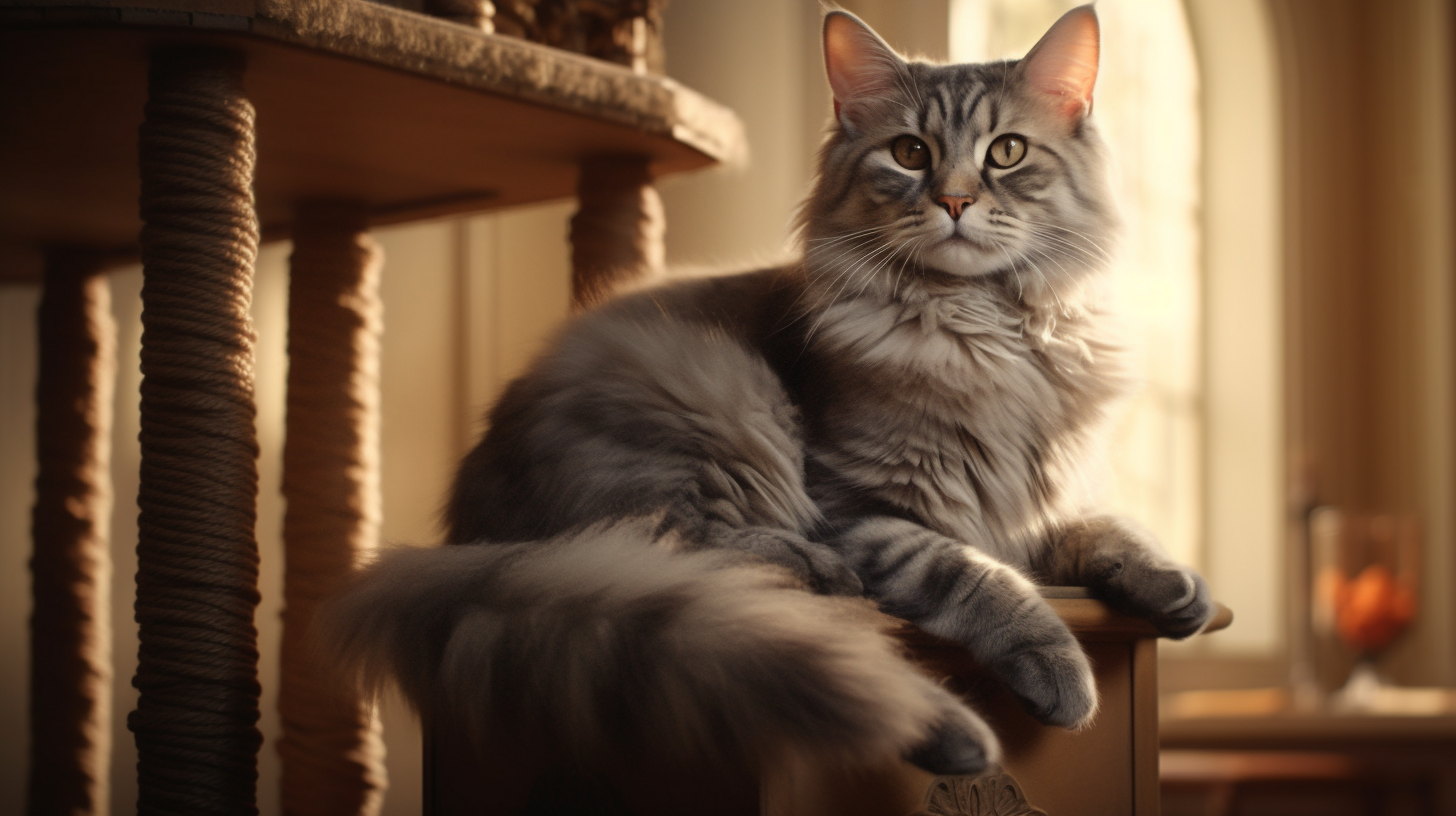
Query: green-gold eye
pixel 910 152
pixel 1007 151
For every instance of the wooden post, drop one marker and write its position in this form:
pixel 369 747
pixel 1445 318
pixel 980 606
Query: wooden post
pixel 1147 795
pixel 70 624
pixel 617 232
pixel 332 750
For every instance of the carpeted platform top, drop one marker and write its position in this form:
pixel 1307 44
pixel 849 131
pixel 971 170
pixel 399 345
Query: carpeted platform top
pixel 415 116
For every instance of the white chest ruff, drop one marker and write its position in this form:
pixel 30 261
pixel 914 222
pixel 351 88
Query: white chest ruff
pixel 971 422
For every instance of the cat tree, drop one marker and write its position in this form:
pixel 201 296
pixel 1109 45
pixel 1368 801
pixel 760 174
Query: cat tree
pixel 362 115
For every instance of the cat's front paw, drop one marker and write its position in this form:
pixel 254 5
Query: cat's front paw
pixel 1128 570
pixel 1054 682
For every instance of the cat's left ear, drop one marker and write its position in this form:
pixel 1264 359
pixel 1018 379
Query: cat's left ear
pixel 862 68
pixel 1062 66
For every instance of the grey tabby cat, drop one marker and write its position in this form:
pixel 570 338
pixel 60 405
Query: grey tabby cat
pixel 904 415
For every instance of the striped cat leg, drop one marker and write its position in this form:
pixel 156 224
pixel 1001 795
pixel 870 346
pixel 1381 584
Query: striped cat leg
pixel 817 564
pixel 1123 565
pixel 953 591
pixel 701 517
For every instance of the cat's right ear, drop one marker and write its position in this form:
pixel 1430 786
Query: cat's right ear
pixel 862 68
pixel 1062 66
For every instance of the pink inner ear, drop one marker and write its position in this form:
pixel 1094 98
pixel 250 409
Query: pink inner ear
pixel 858 63
pixel 1064 63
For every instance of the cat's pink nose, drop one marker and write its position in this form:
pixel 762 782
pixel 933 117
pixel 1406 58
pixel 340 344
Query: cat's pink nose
pixel 955 204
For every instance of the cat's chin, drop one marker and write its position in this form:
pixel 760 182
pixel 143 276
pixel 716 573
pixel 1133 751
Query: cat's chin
pixel 963 258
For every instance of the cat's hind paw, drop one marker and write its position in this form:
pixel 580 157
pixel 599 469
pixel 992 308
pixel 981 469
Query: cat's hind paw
pixel 960 744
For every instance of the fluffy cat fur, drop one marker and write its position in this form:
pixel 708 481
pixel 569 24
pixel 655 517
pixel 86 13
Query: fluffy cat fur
pixel 904 414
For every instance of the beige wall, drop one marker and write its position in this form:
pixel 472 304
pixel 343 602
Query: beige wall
pixel 1368 147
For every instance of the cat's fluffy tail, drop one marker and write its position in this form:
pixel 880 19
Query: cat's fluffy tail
pixel 606 639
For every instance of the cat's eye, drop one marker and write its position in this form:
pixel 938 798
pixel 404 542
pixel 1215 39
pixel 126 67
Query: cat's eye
pixel 910 152
pixel 1007 151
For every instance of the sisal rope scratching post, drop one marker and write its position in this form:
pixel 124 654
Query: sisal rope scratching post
pixel 70 625
pixel 331 746
pixel 618 228
pixel 197 558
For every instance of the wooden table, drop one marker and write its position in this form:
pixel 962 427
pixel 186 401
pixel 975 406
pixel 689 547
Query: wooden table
pixel 1365 762
pixel 250 120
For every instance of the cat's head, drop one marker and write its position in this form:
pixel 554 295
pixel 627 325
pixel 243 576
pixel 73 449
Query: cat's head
pixel 958 172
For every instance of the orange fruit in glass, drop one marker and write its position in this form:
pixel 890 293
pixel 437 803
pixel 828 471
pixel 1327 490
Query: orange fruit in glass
pixel 1372 609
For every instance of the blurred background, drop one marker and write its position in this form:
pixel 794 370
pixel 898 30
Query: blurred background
pixel 1286 278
